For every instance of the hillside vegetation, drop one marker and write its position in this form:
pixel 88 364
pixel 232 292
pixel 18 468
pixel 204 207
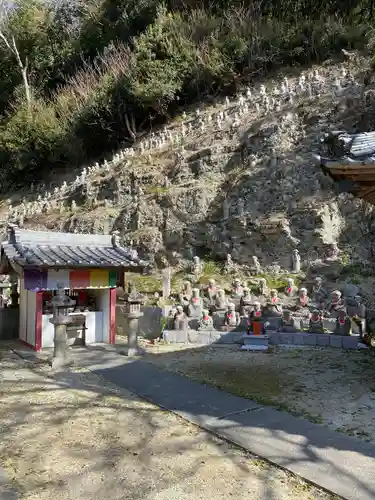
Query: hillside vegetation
pixel 101 72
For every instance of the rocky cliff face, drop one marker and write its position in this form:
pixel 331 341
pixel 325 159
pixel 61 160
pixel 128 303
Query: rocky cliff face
pixel 237 178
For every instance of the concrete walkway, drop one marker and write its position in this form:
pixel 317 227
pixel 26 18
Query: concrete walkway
pixel 340 464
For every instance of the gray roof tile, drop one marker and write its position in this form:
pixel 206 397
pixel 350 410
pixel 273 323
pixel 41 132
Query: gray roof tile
pixel 49 249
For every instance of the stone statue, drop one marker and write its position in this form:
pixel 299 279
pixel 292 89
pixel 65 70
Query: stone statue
pixel 240 207
pixel 205 321
pixel 319 293
pixel 288 322
pixel 256 265
pixel 343 323
pixel 316 322
pixel 303 298
pixel 231 317
pixel 221 302
pixel 197 267
pixel 262 287
pixel 358 314
pixel 170 318
pixel 237 289
pixel 296 261
pixel 335 304
pixel 332 253
pixel 290 289
pixel 211 292
pixel 274 305
pixel 245 303
pixel 229 265
pixel 226 207
pixel 196 304
pixel 256 320
pixel 186 294
pixel 180 319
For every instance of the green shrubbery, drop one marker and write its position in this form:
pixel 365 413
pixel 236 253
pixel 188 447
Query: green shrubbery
pixel 92 71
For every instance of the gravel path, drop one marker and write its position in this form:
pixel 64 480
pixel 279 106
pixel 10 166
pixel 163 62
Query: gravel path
pixel 329 386
pixel 76 436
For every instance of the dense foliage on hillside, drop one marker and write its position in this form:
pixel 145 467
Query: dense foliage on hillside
pixel 101 71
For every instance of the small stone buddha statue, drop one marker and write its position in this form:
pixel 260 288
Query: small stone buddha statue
pixel 262 287
pixel 237 290
pixel 205 321
pixel 303 298
pixel 319 293
pixel 288 322
pixel 211 292
pixel 195 305
pixel 221 302
pixel 180 319
pixel 343 323
pixel 290 289
pixel 274 306
pixel 316 322
pixel 186 294
pixel 245 302
pixel 358 314
pixel 335 304
pixel 231 317
pixel 196 266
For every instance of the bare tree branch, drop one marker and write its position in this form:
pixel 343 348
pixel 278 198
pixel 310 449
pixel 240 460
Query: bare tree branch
pixel 12 47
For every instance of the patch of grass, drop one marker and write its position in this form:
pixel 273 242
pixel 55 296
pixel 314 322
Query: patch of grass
pixel 279 282
pixel 145 283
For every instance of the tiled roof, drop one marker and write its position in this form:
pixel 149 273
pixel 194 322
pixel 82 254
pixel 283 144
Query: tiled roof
pixel 50 249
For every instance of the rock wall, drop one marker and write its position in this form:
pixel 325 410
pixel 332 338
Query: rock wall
pixel 234 178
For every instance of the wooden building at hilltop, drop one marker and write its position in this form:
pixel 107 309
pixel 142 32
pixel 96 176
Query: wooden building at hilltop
pixel 349 159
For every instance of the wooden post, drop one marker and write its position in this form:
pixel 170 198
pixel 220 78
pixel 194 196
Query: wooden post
pixel 167 283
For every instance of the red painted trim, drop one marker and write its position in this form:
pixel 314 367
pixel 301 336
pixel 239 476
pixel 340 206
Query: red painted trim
pixel 112 315
pixel 38 320
pixel 27 344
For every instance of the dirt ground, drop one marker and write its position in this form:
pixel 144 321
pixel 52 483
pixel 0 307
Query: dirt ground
pixel 73 435
pixel 329 386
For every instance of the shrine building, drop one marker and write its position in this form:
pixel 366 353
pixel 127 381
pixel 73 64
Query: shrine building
pixel 88 265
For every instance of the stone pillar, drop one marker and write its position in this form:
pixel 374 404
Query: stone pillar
pixel 132 312
pixel 166 283
pixel 61 319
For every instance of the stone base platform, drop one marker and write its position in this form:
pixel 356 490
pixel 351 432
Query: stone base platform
pixel 275 338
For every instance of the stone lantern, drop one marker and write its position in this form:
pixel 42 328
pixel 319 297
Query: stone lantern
pixel 132 312
pixel 60 319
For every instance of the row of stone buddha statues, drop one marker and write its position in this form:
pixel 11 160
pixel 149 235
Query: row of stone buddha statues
pixel 295 309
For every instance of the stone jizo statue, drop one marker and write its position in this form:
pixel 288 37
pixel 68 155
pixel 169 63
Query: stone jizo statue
pixel 319 293
pixel 231 317
pixel 186 293
pixel 296 261
pixel 274 306
pixel 221 302
pixel 290 289
pixel 237 289
pixel 256 265
pixel 262 287
pixel 288 322
pixel 180 319
pixel 316 322
pixel 197 267
pixel 205 321
pixel 211 291
pixel 343 323
pixel 195 305
pixel 335 304
pixel 303 298
pixel 245 303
